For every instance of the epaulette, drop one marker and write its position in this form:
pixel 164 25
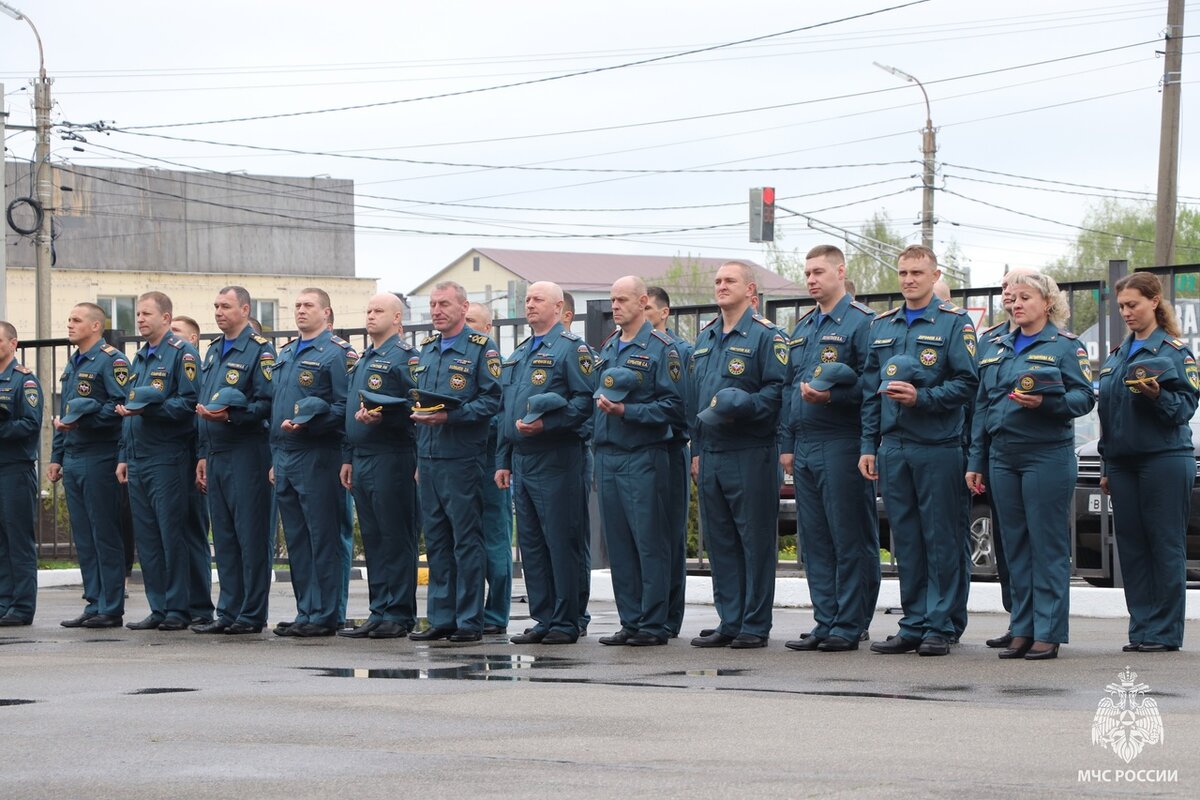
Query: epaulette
pixel 765 322
pixel 21 368
pixel 991 328
pixel 404 345
pixel 888 313
pixel 710 323
pixel 608 338
pixel 863 307
pixel 806 315
pixel 110 350
pixel 1176 343
pixel 1067 334
pixel 662 337
pixel 574 337
pixel 477 338
pixel 953 309
pixel 518 347
pixel 1115 348
pixel 431 338
pixel 258 339
pixel 177 344
pixel 340 342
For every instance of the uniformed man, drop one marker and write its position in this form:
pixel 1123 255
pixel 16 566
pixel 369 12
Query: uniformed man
pixel 679 488
pixel 306 462
pixel 912 442
pixel 639 398
pixel 20 429
pixel 451 442
pixel 497 515
pixel 567 318
pixel 821 424
pixel 235 460
pixel 546 454
pixel 379 464
pixel 196 532
pixel 159 425
pixel 738 370
pixel 988 339
pixel 346 518
pixel 84 457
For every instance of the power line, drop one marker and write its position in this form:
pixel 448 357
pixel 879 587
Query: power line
pixel 1047 180
pixel 1145 196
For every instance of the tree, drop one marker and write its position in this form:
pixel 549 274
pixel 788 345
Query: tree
pixel 687 281
pixel 871 266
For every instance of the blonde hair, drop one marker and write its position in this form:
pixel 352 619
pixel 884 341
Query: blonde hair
pixel 1057 309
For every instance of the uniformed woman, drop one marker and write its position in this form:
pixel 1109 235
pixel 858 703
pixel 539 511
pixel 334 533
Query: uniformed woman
pixel 1148 392
pixel 1031 388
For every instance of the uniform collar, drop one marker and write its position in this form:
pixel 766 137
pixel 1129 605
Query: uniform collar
pixel 929 314
pixel 550 336
pixel 163 343
pixel 642 339
pixel 1046 334
pixel 6 373
pixel 238 342
pixel 1151 344
pixel 92 351
pixel 319 341
pixel 390 343
pixel 836 314
pixel 743 325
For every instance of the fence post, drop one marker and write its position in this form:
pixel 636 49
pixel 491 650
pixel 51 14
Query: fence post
pixel 1117 269
pixel 596 326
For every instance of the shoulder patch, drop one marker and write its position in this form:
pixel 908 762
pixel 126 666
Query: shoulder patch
pixel 478 338
pixel 863 307
pixel 574 337
pixel 887 313
pixel 1176 343
pixel 953 309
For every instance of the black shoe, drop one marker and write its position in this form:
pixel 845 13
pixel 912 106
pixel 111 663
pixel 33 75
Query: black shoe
pixel 77 622
pixel 1017 648
pixel 311 630
pixel 714 639
pixel 1148 647
pixel 865 636
pixel 362 631
pixel 1001 642
pixel 558 637
pixel 748 641
pixel 836 644
pixel 620 637
pixel 531 636
pixel 150 623
pixel 199 621
pixel 239 628
pixel 103 621
pixel 1047 651
pixel 172 624
pixel 291 629
pixel 388 630
pixel 465 635
pixel 934 646
pixel 582 631
pixel 1132 647
pixel 805 643
pixel 285 624
pixel 493 630
pixel 707 632
pixel 8 621
pixel 432 634
pixel 643 639
pixel 216 626
pixel 895 645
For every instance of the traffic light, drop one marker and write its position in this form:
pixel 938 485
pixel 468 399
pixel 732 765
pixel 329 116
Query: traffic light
pixel 762 214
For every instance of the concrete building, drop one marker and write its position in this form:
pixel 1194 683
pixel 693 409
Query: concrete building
pixel 499 277
pixel 121 232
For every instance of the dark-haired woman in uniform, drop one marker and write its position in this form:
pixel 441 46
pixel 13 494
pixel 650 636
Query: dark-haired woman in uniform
pixel 1148 393
pixel 1032 385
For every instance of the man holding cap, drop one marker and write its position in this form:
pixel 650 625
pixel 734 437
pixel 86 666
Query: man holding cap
pixel 379 463
pixel 307 417
pixel 639 398
pixel 159 432
pixel 819 430
pixel 458 392
pixel 544 447
pixel 738 368
pixel 919 376
pixel 20 429
pixel 235 404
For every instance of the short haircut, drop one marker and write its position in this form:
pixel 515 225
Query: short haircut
pixel 830 252
pixel 568 303
pixel 322 295
pixel 484 310
pixel 459 292
pixel 94 311
pixel 659 295
pixel 330 314
pixel 918 251
pixel 849 287
pixel 160 300
pixel 243 296
pixel 7 330
pixel 254 323
pixel 191 323
pixel 747 270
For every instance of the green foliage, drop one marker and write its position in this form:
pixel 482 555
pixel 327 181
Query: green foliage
pixel 863 266
pixel 687 281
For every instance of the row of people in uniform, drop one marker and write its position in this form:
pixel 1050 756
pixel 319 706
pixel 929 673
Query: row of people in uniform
pixel 847 396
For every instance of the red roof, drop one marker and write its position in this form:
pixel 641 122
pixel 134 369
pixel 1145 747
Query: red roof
pixel 598 271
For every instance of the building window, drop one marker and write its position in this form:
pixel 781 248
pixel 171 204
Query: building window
pixel 264 311
pixel 475 263
pixel 119 313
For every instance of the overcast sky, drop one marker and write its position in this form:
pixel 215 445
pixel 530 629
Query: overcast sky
pixel 1053 94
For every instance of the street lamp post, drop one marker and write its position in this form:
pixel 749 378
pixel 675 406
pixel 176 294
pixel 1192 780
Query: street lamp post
pixel 928 150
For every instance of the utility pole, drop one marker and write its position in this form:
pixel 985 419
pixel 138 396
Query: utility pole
pixel 928 153
pixel 1168 140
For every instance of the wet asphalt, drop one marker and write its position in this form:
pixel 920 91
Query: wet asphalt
pixel 124 714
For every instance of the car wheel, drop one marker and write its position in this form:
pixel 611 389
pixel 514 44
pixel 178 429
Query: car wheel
pixel 983 551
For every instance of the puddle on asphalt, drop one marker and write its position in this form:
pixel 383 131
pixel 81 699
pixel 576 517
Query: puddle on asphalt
pixel 161 690
pixel 1032 691
pixel 8 701
pixel 708 673
pixel 17 641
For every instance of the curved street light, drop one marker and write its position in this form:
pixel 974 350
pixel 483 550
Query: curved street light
pixel 928 149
